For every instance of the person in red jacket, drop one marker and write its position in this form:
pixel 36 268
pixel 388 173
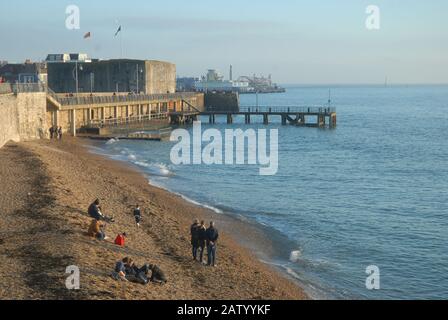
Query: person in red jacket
pixel 121 240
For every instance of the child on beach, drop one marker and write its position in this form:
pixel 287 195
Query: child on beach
pixel 138 215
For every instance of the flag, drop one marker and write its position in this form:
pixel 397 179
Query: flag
pixel 118 31
pixel 87 35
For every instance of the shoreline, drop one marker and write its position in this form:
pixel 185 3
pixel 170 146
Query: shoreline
pixel 75 177
pixel 236 224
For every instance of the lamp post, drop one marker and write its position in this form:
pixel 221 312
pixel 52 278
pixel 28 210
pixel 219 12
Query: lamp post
pixel 138 71
pixel 77 78
pixel 92 79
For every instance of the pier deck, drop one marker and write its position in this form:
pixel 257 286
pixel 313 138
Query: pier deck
pixel 299 116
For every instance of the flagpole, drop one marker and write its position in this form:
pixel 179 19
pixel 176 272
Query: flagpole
pixel 121 42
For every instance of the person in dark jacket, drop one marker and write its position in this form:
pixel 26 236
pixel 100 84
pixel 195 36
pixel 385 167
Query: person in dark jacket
pixel 202 236
pixel 95 210
pixel 157 276
pixel 194 231
pixel 60 133
pixel 138 215
pixel 212 238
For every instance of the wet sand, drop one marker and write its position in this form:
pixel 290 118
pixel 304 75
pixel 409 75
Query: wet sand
pixel 45 191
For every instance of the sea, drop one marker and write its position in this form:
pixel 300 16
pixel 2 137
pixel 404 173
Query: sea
pixel 371 194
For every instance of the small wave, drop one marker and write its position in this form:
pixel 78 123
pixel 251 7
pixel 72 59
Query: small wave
pixel 196 203
pixel 164 168
pixel 295 256
pixel 112 141
pixel 155 169
pixel 216 210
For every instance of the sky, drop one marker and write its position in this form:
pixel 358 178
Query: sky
pixel 300 42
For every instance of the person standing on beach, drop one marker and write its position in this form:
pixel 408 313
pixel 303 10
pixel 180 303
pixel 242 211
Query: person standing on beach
pixel 138 215
pixel 194 231
pixel 202 239
pixel 212 238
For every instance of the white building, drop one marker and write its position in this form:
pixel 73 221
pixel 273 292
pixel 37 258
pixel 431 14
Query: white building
pixel 68 57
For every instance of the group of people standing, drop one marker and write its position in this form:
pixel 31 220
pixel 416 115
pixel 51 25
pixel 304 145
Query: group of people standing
pixel 201 238
pixel 55 133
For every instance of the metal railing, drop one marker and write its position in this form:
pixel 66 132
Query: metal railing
pixel 142 98
pixel 115 122
pixel 292 109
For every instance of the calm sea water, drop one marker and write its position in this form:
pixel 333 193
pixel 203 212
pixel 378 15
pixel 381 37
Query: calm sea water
pixel 374 191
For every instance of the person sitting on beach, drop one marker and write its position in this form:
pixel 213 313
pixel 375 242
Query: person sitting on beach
pixel 194 232
pixel 212 238
pixel 95 212
pixel 138 215
pixel 126 270
pixel 121 240
pixel 157 276
pixel 95 230
pixel 202 240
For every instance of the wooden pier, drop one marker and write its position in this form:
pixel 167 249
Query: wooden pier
pixel 298 116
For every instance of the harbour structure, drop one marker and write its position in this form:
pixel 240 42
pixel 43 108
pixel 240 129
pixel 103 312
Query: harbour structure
pixel 103 112
pixel 31 108
pixel 307 116
pixel 75 73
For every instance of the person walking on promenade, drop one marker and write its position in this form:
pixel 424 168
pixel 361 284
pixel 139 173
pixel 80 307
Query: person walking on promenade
pixel 212 238
pixel 51 133
pixel 60 133
pixel 194 231
pixel 202 239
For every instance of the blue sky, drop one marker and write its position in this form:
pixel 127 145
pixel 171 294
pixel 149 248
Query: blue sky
pixel 316 42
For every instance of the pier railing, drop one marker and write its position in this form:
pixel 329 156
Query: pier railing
pixel 276 110
pixel 292 109
pixel 144 98
pixel 114 122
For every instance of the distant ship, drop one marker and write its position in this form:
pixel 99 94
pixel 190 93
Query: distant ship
pixel 213 81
